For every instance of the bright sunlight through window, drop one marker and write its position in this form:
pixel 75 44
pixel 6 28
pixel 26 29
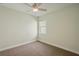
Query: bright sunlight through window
pixel 42 27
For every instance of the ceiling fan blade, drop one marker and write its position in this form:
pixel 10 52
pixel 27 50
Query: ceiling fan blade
pixel 41 9
pixel 38 4
pixel 28 4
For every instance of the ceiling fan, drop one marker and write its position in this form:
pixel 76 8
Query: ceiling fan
pixel 36 7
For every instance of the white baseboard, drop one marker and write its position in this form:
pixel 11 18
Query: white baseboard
pixel 13 46
pixel 59 46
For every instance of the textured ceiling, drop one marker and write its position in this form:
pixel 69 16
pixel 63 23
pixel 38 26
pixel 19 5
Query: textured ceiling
pixel 51 7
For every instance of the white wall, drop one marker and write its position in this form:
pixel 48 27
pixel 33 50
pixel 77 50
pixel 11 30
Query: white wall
pixel 16 28
pixel 62 28
pixel 77 28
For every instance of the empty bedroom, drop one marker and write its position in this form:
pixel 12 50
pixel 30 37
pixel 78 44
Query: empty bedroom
pixel 39 29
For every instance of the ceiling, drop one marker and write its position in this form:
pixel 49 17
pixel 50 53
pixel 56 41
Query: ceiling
pixel 51 7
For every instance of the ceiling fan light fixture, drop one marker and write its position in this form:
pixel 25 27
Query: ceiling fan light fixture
pixel 35 9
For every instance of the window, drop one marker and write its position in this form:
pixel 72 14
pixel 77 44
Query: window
pixel 42 27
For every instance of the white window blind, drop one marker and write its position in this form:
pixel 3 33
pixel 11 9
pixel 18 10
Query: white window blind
pixel 42 27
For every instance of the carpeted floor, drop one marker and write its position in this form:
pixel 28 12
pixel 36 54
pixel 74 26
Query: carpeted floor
pixel 36 49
